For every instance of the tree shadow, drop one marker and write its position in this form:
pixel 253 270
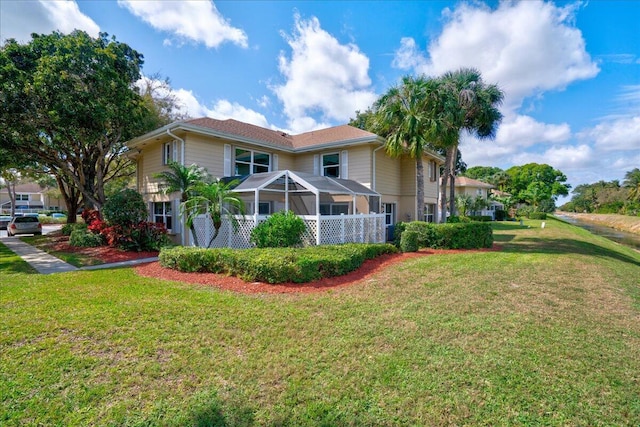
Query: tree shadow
pixel 564 246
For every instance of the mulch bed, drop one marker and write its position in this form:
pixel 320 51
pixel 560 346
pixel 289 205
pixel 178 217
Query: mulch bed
pixel 221 281
pixel 103 254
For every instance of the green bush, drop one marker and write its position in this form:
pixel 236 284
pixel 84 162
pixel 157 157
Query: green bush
pixel 409 241
pixel 481 218
pixel 274 265
pixel 537 215
pixel 67 229
pixel 125 208
pixel 84 238
pixel 501 215
pixel 280 230
pixel 471 235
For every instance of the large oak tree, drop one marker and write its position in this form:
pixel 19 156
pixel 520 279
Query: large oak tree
pixel 69 103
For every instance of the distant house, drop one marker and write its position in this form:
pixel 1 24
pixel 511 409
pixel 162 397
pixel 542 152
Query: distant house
pixel 475 188
pixel 345 169
pixel 30 197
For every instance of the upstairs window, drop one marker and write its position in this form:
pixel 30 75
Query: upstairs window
pixel 169 152
pixel 248 162
pixel 331 165
pixel 22 197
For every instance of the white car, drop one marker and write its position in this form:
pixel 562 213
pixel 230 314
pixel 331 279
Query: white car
pixel 24 225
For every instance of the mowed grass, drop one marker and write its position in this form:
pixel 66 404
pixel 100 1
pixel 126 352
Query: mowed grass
pixel 544 332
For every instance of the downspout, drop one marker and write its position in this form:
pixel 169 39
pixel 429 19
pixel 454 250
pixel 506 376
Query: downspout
pixel 182 225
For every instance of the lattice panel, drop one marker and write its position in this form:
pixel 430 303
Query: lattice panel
pixel 334 230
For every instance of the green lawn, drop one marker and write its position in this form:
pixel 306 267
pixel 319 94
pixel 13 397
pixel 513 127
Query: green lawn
pixel 544 332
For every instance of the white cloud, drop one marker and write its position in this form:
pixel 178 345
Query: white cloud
pixel 324 78
pixel 19 19
pixel 525 47
pixel 564 158
pixel 198 21
pixel 615 135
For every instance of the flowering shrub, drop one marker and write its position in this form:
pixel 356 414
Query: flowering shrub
pixel 90 215
pixel 144 236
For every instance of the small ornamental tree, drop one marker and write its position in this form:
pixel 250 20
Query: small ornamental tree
pixel 125 208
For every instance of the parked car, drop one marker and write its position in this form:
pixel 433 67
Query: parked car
pixel 4 221
pixel 24 225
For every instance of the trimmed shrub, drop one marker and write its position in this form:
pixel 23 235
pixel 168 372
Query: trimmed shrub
pixel 501 215
pixel 125 208
pixel 274 265
pixel 481 218
pixel 537 215
pixel 472 235
pixel 280 230
pixel 84 238
pixel 67 229
pixel 144 236
pixel 409 241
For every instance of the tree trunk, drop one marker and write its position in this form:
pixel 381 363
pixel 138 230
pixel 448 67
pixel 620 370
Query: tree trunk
pixel 419 189
pixel 443 190
pixel 452 153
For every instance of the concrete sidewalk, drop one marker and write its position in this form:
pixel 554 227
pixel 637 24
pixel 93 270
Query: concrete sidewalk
pixel 40 260
pixel 47 264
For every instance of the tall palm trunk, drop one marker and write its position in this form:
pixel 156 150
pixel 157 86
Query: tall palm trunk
pixel 419 189
pixel 452 153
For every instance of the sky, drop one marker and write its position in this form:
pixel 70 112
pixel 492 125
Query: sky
pixel 570 71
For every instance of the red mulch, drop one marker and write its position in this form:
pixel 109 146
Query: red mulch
pixel 104 254
pixel 235 284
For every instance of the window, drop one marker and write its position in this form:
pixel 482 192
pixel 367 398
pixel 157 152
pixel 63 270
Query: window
pixel 162 214
pixel 334 209
pixel 169 152
pixel 432 170
pixel 264 208
pixel 24 197
pixel 429 212
pixel 331 165
pixel 249 162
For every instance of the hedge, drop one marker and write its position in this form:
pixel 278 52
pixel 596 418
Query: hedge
pixel 274 265
pixel 463 235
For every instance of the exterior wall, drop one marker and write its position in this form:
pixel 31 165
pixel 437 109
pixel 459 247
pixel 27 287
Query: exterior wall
pixel 360 164
pixel 205 152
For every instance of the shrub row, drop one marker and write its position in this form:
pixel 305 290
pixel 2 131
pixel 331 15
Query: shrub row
pixel 410 236
pixel 274 265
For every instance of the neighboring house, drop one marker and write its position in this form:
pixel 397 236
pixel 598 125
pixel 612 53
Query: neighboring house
pixel 475 188
pixel 30 197
pixel 358 177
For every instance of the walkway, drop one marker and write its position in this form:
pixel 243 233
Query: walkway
pixel 47 264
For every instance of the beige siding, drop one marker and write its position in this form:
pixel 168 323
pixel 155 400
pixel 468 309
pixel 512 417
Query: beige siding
pixel 360 164
pixel 388 175
pixel 286 161
pixel 151 164
pixel 205 152
pixel 304 162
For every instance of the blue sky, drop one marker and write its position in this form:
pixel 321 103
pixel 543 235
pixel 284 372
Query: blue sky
pixel 570 70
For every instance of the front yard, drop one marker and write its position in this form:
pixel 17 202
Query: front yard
pixel 544 332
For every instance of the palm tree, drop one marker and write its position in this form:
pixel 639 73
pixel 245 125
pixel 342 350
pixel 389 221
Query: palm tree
pixel 183 179
pixel 467 104
pixel 215 199
pixel 632 182
pixel 405 116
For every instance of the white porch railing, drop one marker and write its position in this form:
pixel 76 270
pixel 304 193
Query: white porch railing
pixel 321 230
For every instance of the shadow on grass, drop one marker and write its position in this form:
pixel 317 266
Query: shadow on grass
pixel 10 263
pixel 564 246
pixel 509 225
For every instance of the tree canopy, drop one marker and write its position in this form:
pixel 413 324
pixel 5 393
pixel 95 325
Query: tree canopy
pixel 607 196
pixel 69 103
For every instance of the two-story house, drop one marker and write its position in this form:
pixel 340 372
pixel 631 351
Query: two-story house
pixel 345 169
pixel 475 188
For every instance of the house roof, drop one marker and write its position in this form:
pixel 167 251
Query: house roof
pixel 26 188
pixel 463 181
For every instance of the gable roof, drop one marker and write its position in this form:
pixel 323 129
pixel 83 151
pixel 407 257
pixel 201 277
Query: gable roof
pixel 463 181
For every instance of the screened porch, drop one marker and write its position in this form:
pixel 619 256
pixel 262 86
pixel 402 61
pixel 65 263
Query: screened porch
pixel 334 210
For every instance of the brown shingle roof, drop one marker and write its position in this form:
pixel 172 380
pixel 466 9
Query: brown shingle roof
pixel 260 134
pixel 463 181
pixel 246 130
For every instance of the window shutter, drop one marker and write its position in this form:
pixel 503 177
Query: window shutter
pixel 227 160
pixel 316 164
pixel 274 166
pixel 175 213
pixel 151 217
pixel 174 154
pixel 344 165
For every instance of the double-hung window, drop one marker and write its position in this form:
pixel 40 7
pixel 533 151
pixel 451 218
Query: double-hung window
pixel 162 214
pixel 429 212
pixel 248 162
pixel 331 165
pixel 22 197
pixel 169 152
